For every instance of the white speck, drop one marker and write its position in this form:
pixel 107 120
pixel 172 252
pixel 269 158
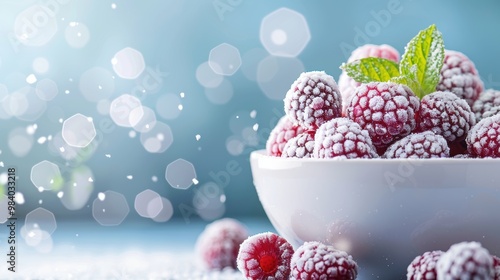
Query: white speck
pixel 113 6
pixel 73 23
pixel 40 189
pixel 100 87
pixel 182 94
pixel 160 136
pixel 108 155
pixel 1 164
pixel 75 184
pixel 154 179
pixel 51 181
pixel 195 181
pixel 49 137
pixel 253 114
pixel 180 107
pixel 19 198
pixel 130 177
pixel 76 235
pixel 132 134
pixel 61 120
pixel 198 137
pixel 66 91
pixel 40 201
pixel 222 198
pixel 31 79
pixel 90 179
pixel 62 149
pixel 30 129
pixel 60 194
pixel 41 140
pixel 255 127
pixel 70 79
pixel 237 117
pixel 101 196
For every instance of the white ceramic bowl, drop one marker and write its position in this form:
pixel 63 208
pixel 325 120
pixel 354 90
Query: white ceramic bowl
pixel 384 212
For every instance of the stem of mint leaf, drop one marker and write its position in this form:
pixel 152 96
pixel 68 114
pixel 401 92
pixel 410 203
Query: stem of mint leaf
pixel 371 69
pixel 422 61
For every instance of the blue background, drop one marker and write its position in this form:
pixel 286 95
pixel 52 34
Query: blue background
pixel 176 37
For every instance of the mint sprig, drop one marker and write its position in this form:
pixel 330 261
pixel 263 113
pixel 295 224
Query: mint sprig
pixel 371 69
pixel 419 68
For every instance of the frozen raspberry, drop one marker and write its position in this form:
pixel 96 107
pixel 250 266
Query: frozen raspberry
pixel 465 260
pixel 265 256
pixel 487 104
pixel 217 246
pixel 483 140
pixel 423 267
pixel 459 75
pixel 425 144
pixel 386 110
pixel 348 85
pixel 496 267
pixel 300 146
pixel 462 156
pixel 281 133
pixel 445 114
pixel 313 99
pixel 342 138
pixel 314 260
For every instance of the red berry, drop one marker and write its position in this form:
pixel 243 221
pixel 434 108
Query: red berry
pixel 300 146
pixel 483 139
pixel 348 85
pixel 423 267
pixel 281 133
pixel 425 144
pixel 343 138
pixel 265 256
pixel 313 99
pixel 496 267
pixel 314 260
pixel 217 246
pixel 465 260
pixel 386 110
pixel 487 104
pixel 445 114
pixel 459 75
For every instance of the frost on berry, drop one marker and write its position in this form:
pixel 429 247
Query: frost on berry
pixel 314 260
pixel 465 260
pixel 265 256
pixel 313 99
pixel 300 146
pixel 423 267
pixel 217 246
pixel 459 75
pixel 487 104
pixel 348 85
pixel 386 110
pixel 342 138
pixel 425 144
pixel 279 136
pixel 496 267
pixel 445 114
pixel 483 140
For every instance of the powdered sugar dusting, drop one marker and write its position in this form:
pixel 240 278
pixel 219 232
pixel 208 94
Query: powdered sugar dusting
pixel 425 144
pixel 424 266
pixel 465 260
pixel 279 136
pixel 300 146
pixel 483 140
pixel 487 104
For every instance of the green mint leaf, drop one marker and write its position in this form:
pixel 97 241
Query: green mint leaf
pixel 371 69
pixel 426 52
pixel 411 82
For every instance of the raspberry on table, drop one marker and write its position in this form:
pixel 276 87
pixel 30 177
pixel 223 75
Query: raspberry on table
pixel 300 146
pixel 386 110
pixel 265 256
pixel 217 246
pixel 483 140
pixel 487 104
pixel 465 260
pixel 425 144
pixel 343 138
pixel 313 99
pixel 459 75
pixel 315 260
pixel 279 136
pixel 348 85
pixel 423 267
pixel 445 114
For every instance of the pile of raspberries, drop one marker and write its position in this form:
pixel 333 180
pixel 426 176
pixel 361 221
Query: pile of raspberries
pixel 387 120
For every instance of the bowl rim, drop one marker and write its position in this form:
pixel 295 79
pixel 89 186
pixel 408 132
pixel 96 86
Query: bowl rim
pixel 262 154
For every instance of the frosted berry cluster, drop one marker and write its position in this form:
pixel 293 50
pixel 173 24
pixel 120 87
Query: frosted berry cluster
pixel 465 260
pixel 388 113
pixel 267 256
